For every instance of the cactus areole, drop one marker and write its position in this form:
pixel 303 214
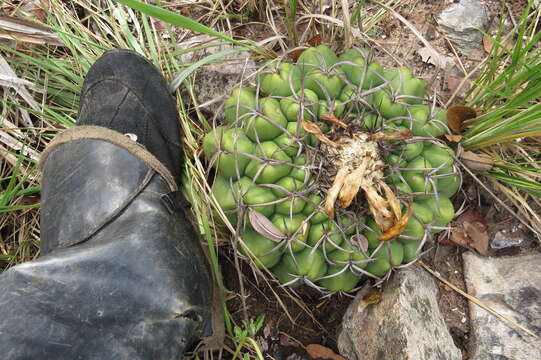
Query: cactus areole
pixel 331 169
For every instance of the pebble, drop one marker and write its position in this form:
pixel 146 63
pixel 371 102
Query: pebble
pixel 461 21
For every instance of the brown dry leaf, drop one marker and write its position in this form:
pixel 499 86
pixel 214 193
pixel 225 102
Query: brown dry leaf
pixel 317 351
pixel 392 200
pixel 397 135
pixel 453 138
pixel 457 238
pixel 27 31
pixel 469 231
pixel 295 54
pixel 476 162
pixel 332 193
pixel 352 183
pixel 316 131
pixel 315 40
pixel 399 227
pixel 432 56
pixel 333 120
pixel 457 115
pixel 477 232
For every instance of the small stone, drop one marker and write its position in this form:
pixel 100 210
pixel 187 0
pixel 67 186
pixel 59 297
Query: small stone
pixel 512 287
pixel 461 22
pixel 503 240
pixel 405 324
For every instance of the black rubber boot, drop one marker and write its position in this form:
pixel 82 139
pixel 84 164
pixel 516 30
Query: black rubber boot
pixel 122 273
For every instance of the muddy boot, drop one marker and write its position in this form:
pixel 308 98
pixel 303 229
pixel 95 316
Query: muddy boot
pixel 122 274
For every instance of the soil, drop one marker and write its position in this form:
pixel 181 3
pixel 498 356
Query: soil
pixel 315 320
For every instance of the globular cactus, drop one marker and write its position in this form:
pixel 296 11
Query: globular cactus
pixel 331 169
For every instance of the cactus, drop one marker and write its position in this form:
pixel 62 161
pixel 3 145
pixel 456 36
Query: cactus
pixel 331 169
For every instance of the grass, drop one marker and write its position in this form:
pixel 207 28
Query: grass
pixel 507 95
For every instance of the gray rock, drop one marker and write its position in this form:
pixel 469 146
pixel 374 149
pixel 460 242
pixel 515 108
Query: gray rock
pixel 214 81
pixel 512 287
pixel 405 324
pixel 503 239
pixel 461 22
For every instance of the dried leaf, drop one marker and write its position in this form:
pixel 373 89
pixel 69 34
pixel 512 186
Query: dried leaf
pixel 432 56
pixel 378 207
pixel 333 120
pixel 264 226
pixel 469 231
pixel 399 227
pixel 315 40
pixel 453 138
pixel 392 200
pixel 352 183
pixel 397 135
pixel 316 131
pixel 457 237
pixel 24 30
pixel 476 162
pixel 457 115
pixel 295 54
pixel 317 351
pixel 478 235
pixel 333 192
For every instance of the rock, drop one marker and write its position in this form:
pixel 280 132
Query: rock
pixel 214 81
pixel 512 287
pixel 503 240
pixel 461 22
pixel 405 324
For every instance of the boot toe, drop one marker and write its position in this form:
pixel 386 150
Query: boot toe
pixel 126 93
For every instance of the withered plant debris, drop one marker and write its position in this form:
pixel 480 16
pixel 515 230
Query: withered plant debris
pixel 357 162
pixel 469 231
